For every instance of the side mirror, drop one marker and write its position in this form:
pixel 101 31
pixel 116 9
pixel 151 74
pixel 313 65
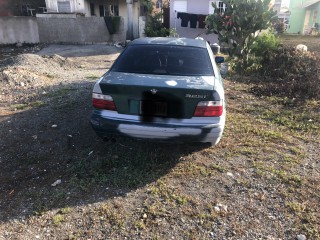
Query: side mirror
pixel 219 59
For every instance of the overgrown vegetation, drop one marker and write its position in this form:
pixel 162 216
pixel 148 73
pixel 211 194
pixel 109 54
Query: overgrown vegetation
pixel 288 72
pixel 279 26
pixel 276 69
pixel 283 71
pixel 238 23
pixel 265 43
pixel 154 26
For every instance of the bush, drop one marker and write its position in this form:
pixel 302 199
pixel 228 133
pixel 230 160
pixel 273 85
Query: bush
pixel 265 42
pixel 237 25
pixel 279 26
pixel 154 27
pixel 289 72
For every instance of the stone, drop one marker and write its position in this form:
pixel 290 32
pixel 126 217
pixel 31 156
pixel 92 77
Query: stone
pixel 302 48
pixel 301 237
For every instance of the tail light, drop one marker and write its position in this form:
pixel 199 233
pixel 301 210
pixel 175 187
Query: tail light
pixel 101 101
pixel 209 109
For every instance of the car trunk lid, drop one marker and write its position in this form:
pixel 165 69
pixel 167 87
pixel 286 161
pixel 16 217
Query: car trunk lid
pixel 158 95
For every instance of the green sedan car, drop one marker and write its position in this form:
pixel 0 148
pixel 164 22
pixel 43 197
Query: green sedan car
pixel 166 89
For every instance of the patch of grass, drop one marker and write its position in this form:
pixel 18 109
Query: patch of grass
pixel 154 209
pixel 58 219
pixel 170 195
pixel 288 178
pixel 139 224
pixel 298 151
pixel 192 168
pixel 115 216
pixel 294 122
pixel 278 170
pixel 296 207
pixel 59 195
pixel 65 104
pixel 217 167
pixel 93 77
pixel 38 104
pixel 313 104
pixel 307 217
pixel 311 228
pixel 264 132
pixel 40 210
pixel 248 151
pixel 123 167
pixel 24 106
pixel 65 210
pixel 20 106
pixel 60 92
pixel 269 134
pixel 290 160
pixel 291 118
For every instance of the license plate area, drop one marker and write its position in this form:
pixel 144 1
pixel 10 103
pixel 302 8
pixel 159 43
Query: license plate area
pixel 153 108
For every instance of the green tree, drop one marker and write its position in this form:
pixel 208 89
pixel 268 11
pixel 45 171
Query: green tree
pixel 238 24
pixel 154 26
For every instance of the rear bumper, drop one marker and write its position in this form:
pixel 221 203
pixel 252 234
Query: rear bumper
pixel 109 123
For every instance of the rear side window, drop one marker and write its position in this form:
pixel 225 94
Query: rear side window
pixel 164 60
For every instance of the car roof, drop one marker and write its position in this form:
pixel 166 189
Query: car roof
pixel 189 42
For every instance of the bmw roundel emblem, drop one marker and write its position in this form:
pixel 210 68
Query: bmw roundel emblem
pixel 153 91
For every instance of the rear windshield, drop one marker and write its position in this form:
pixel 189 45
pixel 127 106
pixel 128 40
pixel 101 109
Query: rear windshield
pixel 164 60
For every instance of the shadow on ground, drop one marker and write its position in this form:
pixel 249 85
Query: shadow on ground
pixel 54 141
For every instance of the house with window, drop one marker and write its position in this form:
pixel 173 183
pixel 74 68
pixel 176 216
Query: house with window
pixel 5 8
pixel 21 7
pixel 128 10
pixel 282 10
pixel 187 17
pixel 304 16
pixel 87 8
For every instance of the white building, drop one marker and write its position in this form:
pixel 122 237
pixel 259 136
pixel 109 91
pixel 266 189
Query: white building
pixel 187 16
pixel 127 9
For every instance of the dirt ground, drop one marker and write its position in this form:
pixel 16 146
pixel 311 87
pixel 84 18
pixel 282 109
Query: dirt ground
pixel 58 180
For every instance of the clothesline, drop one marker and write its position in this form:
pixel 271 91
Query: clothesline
pixel 192 18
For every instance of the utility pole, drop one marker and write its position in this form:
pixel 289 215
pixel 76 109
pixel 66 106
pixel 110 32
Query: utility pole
pixel 129 20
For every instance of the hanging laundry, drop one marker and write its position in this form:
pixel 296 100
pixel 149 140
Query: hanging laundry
pixel 185 18
pixel 193 20
pixel 201 19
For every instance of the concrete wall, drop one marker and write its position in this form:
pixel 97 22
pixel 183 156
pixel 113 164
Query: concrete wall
pixel 297 17
pixel 135 19
pixel 18 29
pixel 85 30
pixel 142 25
